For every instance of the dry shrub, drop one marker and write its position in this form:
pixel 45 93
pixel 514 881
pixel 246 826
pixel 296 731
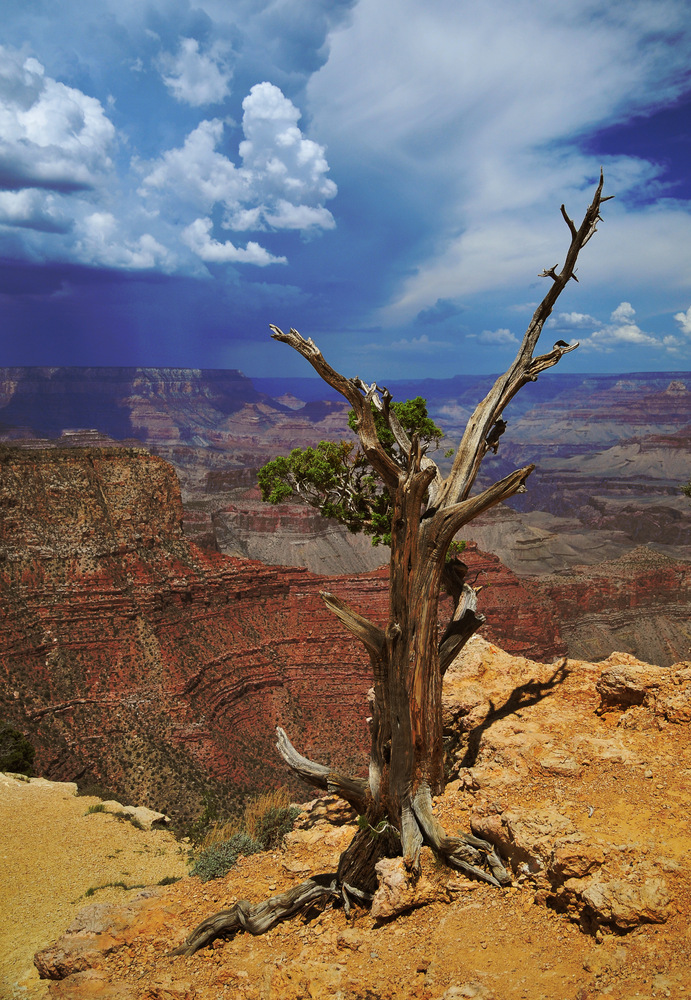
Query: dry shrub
pixel 265 821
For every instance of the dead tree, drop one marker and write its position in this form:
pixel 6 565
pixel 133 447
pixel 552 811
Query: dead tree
pixel 408 661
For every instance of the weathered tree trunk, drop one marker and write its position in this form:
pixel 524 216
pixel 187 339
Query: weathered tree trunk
pixel 408 659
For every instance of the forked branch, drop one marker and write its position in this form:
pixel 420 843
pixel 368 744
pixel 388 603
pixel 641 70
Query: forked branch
pixel 525 368
pixel 354 790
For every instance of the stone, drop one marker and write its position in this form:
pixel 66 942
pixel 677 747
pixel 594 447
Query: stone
pixel 399 892
pixel 140 815
pixel 625 904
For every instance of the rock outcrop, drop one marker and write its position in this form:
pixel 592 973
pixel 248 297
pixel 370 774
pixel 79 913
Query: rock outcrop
pixel 135 660
pixel 586 802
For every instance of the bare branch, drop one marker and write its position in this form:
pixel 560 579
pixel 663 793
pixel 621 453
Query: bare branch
pixel 466 464
pixel 260 917
pixel 351 389
pixel 353 790
pixel 465 853
pixel 569 222
pixel 463 625
pixel 366 631
pixel 453 518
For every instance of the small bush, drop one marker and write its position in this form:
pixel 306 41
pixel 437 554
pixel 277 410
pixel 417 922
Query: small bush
pixel 272 824
pixel 97 808
pixel 215 862
pixel 16 753
pixel 264 823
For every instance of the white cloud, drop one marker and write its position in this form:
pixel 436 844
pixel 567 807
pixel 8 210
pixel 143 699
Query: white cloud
pixel 623 313
pixel 501 336
pixel 31 208
pixel 194 77
pixel 623 331
pixel 684 321
pixel 51 136
pixel 287 170
pixel 460 119
pixel 571 321
pixel 422 343
pixel 100 242
pixel 197 237
pixel 197 173
pixel 281 182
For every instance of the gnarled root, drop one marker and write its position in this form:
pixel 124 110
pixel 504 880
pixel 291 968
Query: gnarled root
pixel 260 917
pixel 466 853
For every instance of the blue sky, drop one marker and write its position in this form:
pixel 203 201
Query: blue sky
pixel 383 175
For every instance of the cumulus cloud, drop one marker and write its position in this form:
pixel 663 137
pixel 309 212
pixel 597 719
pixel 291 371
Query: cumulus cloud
pixel 281 182
pixel 194 77
pixel 571 321
pixel 196 172
pixel 684 321
pixel 31 208
pixel 624 331
pixel 100 242
pixel 51 136
pixel 285 167
pixel 197 237
pixel 499 337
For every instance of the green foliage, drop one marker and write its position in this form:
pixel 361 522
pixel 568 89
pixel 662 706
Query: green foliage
pixel 97 808
pixel 272 826
pixel 413 417
pixel 687 489
pixel 217 861
pixel 16 753
pixel 455 549
pixel 336 478
pixel 266 821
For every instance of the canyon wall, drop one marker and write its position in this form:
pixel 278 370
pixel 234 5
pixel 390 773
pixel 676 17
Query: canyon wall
pixel 637 604
pixel 133 658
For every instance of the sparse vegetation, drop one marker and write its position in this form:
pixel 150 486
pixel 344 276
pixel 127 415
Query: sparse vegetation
pixel 92 890
pixel 265 821
pixel 98 807
pixel 16 753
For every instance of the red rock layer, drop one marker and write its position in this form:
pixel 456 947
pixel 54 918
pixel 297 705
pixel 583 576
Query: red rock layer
pixel 638 604
pixel 134 658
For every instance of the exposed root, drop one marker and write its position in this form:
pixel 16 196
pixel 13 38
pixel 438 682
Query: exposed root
pixel 261 917
pixel 466 853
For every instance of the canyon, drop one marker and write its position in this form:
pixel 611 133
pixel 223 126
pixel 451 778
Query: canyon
pixel 577 773
pixel 161 620
pixel 137 661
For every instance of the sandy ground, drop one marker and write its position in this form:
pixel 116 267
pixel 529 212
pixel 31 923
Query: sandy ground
pixel 51 853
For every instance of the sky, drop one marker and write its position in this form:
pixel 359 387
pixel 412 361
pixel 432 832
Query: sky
pixel 383 175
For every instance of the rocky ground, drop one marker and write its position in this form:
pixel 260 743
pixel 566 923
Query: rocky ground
pixel 55 857
pixel 579 772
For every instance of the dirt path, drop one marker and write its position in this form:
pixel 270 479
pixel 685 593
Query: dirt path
pixel 51 853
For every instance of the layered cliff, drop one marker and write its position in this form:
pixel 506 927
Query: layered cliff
pixel 638 604
pixel 135 659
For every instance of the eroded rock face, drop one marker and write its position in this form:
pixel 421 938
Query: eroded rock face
pixel 638 604
pixel 143 663
pixel 133 658
pixel 590 816
pixel 664 692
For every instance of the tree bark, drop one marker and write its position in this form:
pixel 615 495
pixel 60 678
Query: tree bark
pixel 408 660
